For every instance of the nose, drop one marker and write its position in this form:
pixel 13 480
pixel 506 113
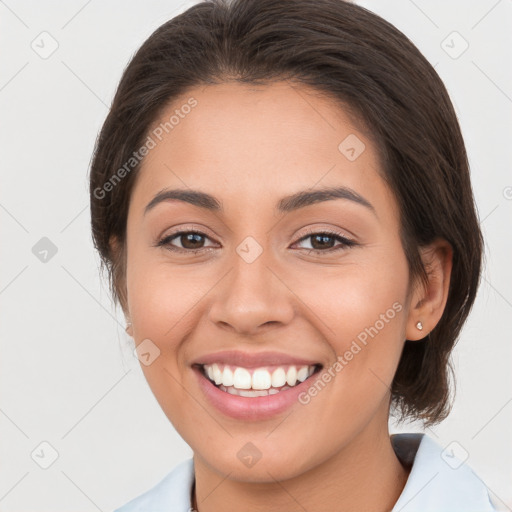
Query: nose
pixel 251 298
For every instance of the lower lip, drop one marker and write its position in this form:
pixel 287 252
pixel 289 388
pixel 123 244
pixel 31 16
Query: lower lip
pixel 250 408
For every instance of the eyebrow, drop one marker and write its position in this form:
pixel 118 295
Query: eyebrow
pixel 285 205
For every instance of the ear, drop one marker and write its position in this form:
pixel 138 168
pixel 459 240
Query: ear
pixel 119 280
pixel 428 302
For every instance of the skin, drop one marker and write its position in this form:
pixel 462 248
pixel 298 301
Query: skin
pixel 249 147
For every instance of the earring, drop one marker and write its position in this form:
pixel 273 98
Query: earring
pixel 419 326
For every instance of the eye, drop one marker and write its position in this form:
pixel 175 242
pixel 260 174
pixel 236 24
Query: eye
pixel 321 241
pixel 191 241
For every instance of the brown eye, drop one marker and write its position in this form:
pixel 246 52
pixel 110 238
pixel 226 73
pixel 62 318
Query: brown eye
pixel 190 241
pixel 322 242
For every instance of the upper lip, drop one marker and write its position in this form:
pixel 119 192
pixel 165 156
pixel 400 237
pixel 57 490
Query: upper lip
pixel 252 359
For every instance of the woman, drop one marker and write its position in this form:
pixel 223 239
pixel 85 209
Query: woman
pixel 281 196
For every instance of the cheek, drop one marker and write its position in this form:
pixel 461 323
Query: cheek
pixel 360 311
pixel 360 300
pixel 161 304
pixel 155 303
pixel 166 303
pixel 160 296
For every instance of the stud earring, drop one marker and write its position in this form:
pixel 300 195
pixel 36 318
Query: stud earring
pixel 419 326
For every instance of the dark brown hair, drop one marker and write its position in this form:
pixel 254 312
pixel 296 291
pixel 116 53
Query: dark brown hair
pixel 359 60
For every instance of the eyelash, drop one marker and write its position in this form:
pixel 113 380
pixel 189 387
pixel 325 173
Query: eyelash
pixel 345 242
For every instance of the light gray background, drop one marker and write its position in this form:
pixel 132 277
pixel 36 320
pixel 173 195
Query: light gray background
pixel 67 372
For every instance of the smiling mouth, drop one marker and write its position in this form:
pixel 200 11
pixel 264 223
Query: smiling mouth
pixel 253 382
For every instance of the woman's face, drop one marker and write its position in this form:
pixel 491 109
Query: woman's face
pixel 266 287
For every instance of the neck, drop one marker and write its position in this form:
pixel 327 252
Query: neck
pixel 366 475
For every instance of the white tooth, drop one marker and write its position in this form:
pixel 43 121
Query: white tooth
pixel 217 374
pixel 209 371
pixel 242 379
pixel 227 377
pixel 252 393
pixel 311 370
pixel 302 374
pixel 278 378
pixel 291 376
pixel 261 379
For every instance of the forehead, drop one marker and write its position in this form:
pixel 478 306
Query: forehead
pixel 251 143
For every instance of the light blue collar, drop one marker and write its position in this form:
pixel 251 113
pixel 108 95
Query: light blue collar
pixel 438 482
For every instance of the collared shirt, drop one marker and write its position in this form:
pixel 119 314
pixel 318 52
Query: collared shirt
pixel 438 482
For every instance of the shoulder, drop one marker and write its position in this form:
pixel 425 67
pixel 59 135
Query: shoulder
pixel 439 480
pixel 171 493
